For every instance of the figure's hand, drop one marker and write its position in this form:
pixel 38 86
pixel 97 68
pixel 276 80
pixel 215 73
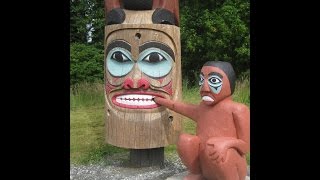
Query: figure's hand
pixel 168 103
pixel 155 99
pixel 159 100
pixel 217 149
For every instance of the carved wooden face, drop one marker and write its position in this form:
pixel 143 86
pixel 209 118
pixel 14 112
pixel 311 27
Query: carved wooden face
pixel 142 62
pixel 139 67
pixel 214 85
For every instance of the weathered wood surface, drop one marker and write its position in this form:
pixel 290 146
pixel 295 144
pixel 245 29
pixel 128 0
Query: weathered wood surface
pixel 154 130
pixel 151 128
pixel 144 128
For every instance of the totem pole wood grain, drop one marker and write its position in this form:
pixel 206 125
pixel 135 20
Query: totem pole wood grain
pixel 142 61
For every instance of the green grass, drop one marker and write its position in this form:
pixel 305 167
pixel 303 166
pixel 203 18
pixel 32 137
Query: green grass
pixel 87 131
pixel 87 136
pixel 87 125
pixel 86 95
pixel 242 92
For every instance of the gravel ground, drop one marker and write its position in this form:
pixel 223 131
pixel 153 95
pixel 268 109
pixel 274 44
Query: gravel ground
pixel 114 169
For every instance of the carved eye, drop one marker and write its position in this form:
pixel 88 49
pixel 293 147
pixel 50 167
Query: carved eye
pixel 153 58
pixel 214 81
pixel 155 62
pixel 119 56
pixel 118 62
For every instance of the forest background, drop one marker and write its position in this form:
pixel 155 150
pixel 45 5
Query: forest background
pixel 210 30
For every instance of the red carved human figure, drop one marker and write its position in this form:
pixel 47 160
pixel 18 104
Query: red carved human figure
pixel 217 151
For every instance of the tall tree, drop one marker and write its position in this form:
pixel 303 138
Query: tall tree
pixel 87 21
pixel 214 30
pixel 98 23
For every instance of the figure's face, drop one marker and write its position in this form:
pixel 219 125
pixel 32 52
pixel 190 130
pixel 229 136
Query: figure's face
pixel 214 85
pixel 139 67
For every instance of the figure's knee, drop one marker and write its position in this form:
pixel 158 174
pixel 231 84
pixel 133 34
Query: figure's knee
pixel 188 145
pixel 233 156
pixel 188 150
pixel 187 140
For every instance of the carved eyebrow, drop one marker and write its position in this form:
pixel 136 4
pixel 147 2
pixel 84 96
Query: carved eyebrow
pixel 215 73
pixel 202 74
pixel 161 46
pixel 121 44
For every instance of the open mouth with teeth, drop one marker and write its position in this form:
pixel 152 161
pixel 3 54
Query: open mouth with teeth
pixel 136 100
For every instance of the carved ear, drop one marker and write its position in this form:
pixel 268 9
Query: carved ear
pixel 137 4
pixel 163 16
pixel 115 16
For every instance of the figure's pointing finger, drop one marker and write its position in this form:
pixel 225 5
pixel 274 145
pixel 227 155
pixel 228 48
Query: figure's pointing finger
pixel 154 98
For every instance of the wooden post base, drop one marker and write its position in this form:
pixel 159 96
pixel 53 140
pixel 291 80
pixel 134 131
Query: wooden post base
pixel 147 157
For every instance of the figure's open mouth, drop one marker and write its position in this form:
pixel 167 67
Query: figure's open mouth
pixel 135 100
pixel 207 98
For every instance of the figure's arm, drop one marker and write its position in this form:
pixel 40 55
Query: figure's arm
pixel 188 110
pixel 241 118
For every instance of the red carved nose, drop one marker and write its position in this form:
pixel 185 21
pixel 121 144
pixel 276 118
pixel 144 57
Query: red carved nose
pixel 128 83
pixel 142 83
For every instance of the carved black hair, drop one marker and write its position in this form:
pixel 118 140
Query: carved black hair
pixel 159 16
pixel 116 16
pixel 227 68
pixel 163 16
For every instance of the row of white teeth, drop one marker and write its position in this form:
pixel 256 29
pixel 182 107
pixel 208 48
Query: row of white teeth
pixel 135 99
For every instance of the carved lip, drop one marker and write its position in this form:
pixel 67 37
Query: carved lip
pixel 207 98
pixel 135 100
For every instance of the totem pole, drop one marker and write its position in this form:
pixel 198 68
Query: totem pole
pixel 142 61
pixel 222 139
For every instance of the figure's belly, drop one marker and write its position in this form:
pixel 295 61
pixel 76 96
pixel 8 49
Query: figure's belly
pixel 208 130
